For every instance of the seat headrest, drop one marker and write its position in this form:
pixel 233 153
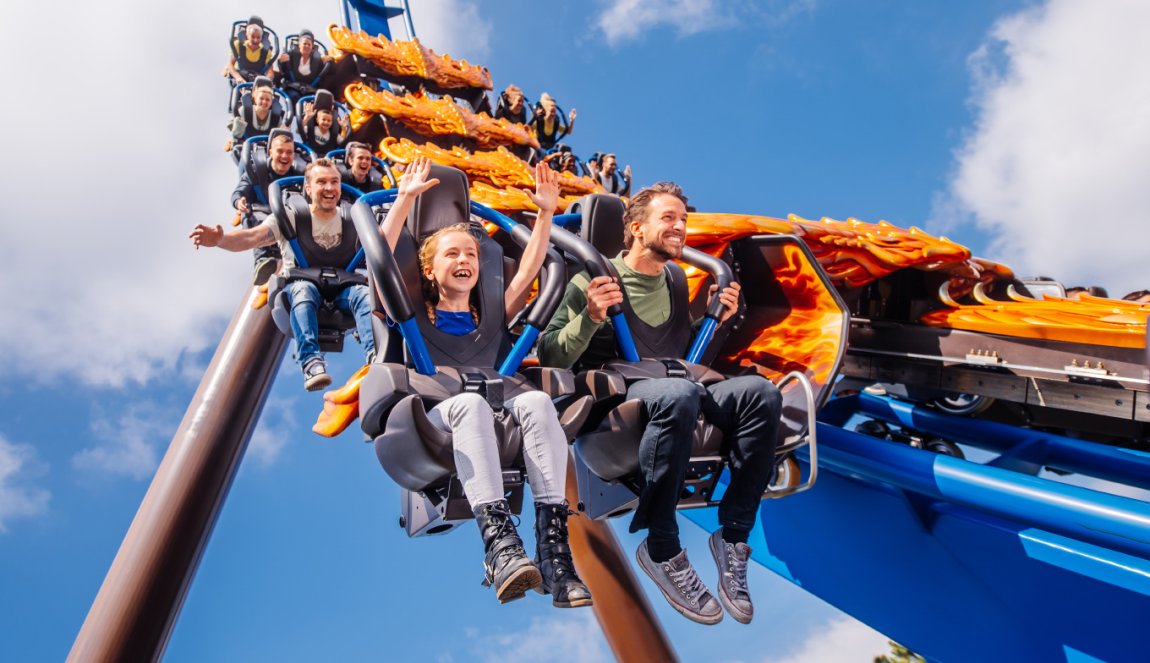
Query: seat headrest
pixel 602 224
pixel 279 131
pixel 443 205
pixel 324 101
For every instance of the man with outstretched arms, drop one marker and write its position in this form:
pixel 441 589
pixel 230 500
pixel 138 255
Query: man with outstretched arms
pixel 250 197
pixel 746 409
pixel 328 240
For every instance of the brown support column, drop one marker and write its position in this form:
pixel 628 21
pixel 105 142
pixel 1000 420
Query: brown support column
pixel 136 608
pixel 626 617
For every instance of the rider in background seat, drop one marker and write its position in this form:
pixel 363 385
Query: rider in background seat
pixel 251 57
pixel 301 67
pixel 250 197
pixel 605 171
pixel 549 124
pixel 357 168
pixel 512 105
pixel 257 113
pixel 319 127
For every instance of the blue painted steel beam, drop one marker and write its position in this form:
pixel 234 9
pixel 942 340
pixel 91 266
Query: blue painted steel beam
pixel 1126 466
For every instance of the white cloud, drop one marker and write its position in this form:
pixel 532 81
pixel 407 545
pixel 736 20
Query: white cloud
pixel 456 27
pixel 627 19
pixel 129 446
pixel 119 156
pixel 576 637
pixel 622 20
pixel 1057 165
pixel 844 639
pixel 277 424
pixel 17 498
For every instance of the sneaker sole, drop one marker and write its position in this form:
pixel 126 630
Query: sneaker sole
pixel 736 614
pixel 515 587
pixel 683 610
pixel 318 382
pixel 578 603
pixel 264 272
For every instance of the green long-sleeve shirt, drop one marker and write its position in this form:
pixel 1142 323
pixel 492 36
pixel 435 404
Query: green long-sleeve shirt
pixel 571 335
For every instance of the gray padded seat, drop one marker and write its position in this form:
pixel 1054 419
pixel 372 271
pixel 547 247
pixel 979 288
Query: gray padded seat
pixel 394 398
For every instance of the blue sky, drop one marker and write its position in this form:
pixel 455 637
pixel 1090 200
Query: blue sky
pixel 1018 128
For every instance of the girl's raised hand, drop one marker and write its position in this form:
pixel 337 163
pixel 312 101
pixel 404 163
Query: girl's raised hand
pixel 414 180
pixel 546 196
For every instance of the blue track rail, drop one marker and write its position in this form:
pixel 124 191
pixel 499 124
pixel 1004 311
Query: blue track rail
pixel 969 561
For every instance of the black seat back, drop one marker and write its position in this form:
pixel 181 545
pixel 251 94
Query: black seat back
pixel 254 162
pixel 445 205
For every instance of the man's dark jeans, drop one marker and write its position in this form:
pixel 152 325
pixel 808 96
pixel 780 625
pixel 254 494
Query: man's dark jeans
pixel 746 409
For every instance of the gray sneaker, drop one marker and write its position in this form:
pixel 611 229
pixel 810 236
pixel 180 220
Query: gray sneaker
pixel 264 270
pixel 681 586
pixel 731 558
pixel 315 375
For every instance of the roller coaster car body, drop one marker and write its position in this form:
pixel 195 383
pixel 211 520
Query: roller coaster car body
pixel 791 328
pixel 398 391
pixel 288 202
pixel 1016 351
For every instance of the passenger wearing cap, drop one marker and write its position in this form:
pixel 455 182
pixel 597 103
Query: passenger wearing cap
pixel 301 67
pixel 251 57
pixel 317 127
pixel 247 201
pixel 257 113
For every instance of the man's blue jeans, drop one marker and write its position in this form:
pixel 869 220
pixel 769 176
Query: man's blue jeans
pixel 304 301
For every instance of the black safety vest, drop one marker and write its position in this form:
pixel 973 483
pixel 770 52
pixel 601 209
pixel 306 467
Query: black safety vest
pixel 244 64
pixel 327 268
pixel 374 180
pixel 294 59
pixel 248 110
pixel 672 338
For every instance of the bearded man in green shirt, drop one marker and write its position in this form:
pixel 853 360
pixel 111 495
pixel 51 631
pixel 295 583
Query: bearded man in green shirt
pixel 746 409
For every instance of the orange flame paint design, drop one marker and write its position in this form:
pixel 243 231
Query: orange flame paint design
pixel 410 59
pixel 855 253
pixel 436 117
pixel 808 339
pixel 511 199
pixel 499 167
pixel 1092 320
pixel 852 252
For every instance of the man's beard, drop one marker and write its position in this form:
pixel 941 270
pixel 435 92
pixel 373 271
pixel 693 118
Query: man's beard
pixel 662 251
